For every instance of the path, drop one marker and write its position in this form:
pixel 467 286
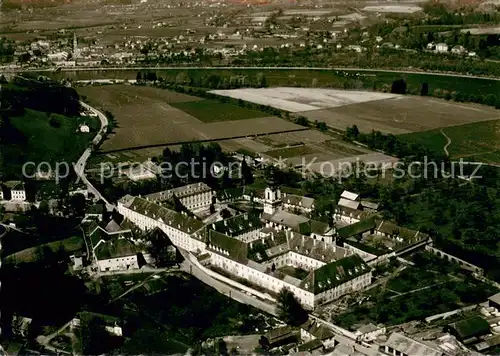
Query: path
pixel 417 290
pixel 447 143
pixel 81 163
pixel 45 340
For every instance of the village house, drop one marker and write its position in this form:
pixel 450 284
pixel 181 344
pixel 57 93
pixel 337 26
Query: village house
pixel 112 250
pixel 13 191
pixel 441 48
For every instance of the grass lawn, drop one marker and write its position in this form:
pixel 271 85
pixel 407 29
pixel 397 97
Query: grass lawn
pixel 69 245
pixel 413 278
pixel 291 152
pixel 479 141
pixel 38 141
pixel 213 111
pixel 298 273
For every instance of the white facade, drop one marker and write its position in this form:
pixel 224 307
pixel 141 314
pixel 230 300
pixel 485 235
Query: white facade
pixel 272 197
pixel 18 195
pixel 441 47
pixel 177 236
pixel 118 264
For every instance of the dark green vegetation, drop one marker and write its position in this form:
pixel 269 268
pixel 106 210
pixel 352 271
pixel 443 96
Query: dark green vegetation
pixel 438 295
pixel 213 111
pixel 39 123
pixel 179 313
pixel 289 308
pixel 473 142
pixel 39 137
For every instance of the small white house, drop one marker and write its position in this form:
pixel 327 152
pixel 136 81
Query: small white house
pixel 84 128
pixel 441 48
pixel 16 189
pixel 458 50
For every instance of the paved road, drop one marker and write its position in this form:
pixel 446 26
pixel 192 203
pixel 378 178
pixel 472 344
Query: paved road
pixel 225 289
pixel 80 164
pixel 256 68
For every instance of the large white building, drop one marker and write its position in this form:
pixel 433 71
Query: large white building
pixel 193 196
pixel 273 257
pixel 278 248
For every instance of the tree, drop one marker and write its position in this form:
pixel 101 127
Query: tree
pixel 93 335
pixel 77 204
pixel 289 308
pixel 320 125
pixel 302 121
pixel 424 89
pixel 246 173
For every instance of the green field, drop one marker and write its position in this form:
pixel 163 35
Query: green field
pixel 291 152
pixel 478 141
pixel 69 245
pixel 213 111
pixel 35 140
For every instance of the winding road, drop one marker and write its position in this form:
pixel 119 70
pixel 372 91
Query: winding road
pixel 82 162
pixel 447 143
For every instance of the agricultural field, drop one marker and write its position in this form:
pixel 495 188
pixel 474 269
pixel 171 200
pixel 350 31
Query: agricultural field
pixel 397 9
pixel 149 117
pixel 472 142
pixel 403 115
pixel 298 100
pixel 214 111
pixel 389 113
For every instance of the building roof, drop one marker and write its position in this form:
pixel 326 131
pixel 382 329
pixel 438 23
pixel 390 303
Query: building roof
pixel 348 203
pixel 317 329
pixel 369 205
pixel 170 217
pixel 14 185
pixel 98 233
pixel 472 327
pixel 314 227
pixel 310 345
pixel 278 334
pixel 357 228
pixel 409 346
pixel 390 228
pixel 285 218
pixel 354 213
pixel 349 195
pixel 335 273
pixel 488 343
pixel 238 224
pixel 300 201
pixel 226 245
pixel 180 192
pixel 495 298
pixel 289 241
pixel 115 248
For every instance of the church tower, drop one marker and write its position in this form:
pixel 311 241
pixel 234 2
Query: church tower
pixel 76 53
pixel 272 198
